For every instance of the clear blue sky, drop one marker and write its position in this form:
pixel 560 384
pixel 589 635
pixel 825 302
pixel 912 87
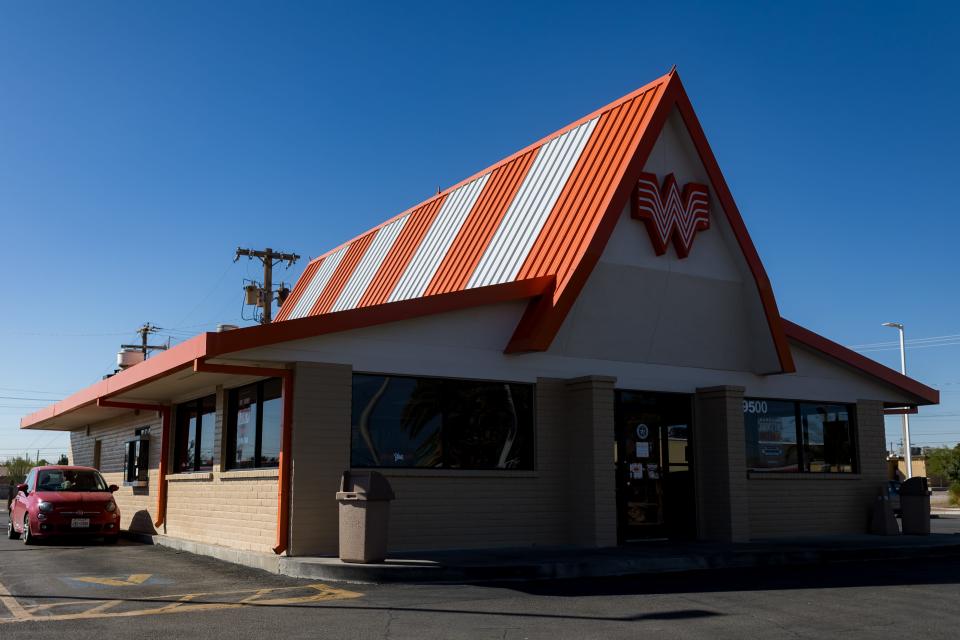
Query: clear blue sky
pixel 141 142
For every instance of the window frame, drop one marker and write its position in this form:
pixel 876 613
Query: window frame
pixel 136 459
pixel 801 441
pixel 179 448
pixel 445 470
pixel 229 462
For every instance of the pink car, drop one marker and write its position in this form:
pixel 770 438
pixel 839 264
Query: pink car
pixel 64 501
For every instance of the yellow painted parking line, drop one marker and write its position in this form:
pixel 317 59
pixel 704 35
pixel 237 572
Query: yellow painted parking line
pixel 18 612
pixel 184 603
pixel 129 581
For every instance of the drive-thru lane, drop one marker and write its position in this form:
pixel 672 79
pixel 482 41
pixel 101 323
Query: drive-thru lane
pixel 62 580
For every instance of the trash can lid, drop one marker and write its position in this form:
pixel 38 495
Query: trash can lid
pixel 368 485
pixel 916 486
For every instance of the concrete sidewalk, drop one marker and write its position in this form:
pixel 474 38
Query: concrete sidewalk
pixel 645 558
pixel 544 563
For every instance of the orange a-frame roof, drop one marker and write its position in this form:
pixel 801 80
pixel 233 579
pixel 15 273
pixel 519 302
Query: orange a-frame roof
pixel 543 214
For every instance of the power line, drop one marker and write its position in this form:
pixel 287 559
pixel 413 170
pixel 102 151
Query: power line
pixel 32 390
pixel 896 343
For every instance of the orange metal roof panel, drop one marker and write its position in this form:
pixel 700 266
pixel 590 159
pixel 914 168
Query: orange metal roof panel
pixel 298 289
pixel 474 236
pixel 342 273
pixel 583 200
pixel 399 256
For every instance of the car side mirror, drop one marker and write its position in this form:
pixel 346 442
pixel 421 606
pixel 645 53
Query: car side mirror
pixel 22 488
pixel 113 488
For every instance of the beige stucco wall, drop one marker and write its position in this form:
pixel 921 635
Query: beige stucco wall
pixel 800 504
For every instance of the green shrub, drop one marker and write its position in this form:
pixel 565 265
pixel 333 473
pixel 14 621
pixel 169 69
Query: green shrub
pixel 954 491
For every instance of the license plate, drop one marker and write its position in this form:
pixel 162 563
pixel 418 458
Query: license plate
pixel 80 523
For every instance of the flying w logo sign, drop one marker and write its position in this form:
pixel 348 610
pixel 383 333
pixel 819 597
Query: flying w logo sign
pixel 669 214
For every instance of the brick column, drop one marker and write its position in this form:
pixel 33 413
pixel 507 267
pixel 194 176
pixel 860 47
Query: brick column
pixel 321 452
pixel 592 477
pixel 871 445
pixel 720 465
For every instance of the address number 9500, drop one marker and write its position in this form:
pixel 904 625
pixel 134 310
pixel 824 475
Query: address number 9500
pixel 754 406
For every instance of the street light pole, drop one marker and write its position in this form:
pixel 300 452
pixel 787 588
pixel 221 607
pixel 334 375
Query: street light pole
pixel 907 456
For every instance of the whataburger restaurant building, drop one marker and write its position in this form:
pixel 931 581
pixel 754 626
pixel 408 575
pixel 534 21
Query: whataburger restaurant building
pixel 576 346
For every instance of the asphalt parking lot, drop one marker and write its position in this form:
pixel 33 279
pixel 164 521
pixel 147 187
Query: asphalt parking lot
pixel 93 591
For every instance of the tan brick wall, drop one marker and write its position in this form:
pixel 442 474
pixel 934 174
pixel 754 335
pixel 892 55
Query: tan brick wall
pixel 321 451
pixel 228 509
pixel 138 505
pixel 462 509
pixel 720 465
pixel 236 509
pixel 817 504
pixel 592 502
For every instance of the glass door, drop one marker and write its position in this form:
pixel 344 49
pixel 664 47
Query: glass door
pixel 654 475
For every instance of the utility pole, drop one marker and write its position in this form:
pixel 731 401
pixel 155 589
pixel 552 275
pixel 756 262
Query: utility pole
pixel 269 258
pixel 144 345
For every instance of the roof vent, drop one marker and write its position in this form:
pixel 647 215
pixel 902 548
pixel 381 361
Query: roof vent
pixel 226 327
pixel 126 358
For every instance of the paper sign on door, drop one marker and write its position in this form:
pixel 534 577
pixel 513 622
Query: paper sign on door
pixel 643 450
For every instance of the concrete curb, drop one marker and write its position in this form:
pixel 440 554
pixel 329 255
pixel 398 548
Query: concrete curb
pixel 584 564
pixel 252 559
pixel 332 570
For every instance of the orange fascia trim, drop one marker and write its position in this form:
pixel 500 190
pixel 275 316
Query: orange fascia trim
pixel 164 411
pixel 543 318
pixel 286 437
pixel 925 394
pixel 899 411
pixel 166 362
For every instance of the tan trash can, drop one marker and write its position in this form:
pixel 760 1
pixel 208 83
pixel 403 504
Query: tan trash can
pixel 915 507
pixel 364 499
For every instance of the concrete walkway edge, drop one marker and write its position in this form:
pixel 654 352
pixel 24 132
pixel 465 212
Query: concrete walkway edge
pixel 531 564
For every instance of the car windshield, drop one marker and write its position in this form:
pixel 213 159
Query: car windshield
pixel 71 480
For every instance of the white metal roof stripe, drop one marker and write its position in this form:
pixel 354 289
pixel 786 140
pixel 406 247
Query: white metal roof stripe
pixel 367 267
pixel 435 244
pixel 526 215
pixel 318 284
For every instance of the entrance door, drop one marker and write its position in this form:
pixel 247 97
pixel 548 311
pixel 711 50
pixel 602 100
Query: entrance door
pixel 654 473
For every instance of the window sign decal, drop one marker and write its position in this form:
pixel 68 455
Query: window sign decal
pixel 670 214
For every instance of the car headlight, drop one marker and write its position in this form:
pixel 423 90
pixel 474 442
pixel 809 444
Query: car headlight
pixel 111 506
pixel 45 507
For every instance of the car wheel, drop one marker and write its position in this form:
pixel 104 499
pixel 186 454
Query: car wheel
pixel 11 532
pixel 25 534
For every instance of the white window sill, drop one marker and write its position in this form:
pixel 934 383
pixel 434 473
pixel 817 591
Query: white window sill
pixel 451 473
pixel 198 475
pixel 774 475
pixel 243 474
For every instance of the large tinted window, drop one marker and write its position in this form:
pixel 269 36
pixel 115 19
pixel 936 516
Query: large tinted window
pixel 439 423
pixel 771 430
pixel 827 437
pixel 253 426
pixel 195 434
pixel 799 436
